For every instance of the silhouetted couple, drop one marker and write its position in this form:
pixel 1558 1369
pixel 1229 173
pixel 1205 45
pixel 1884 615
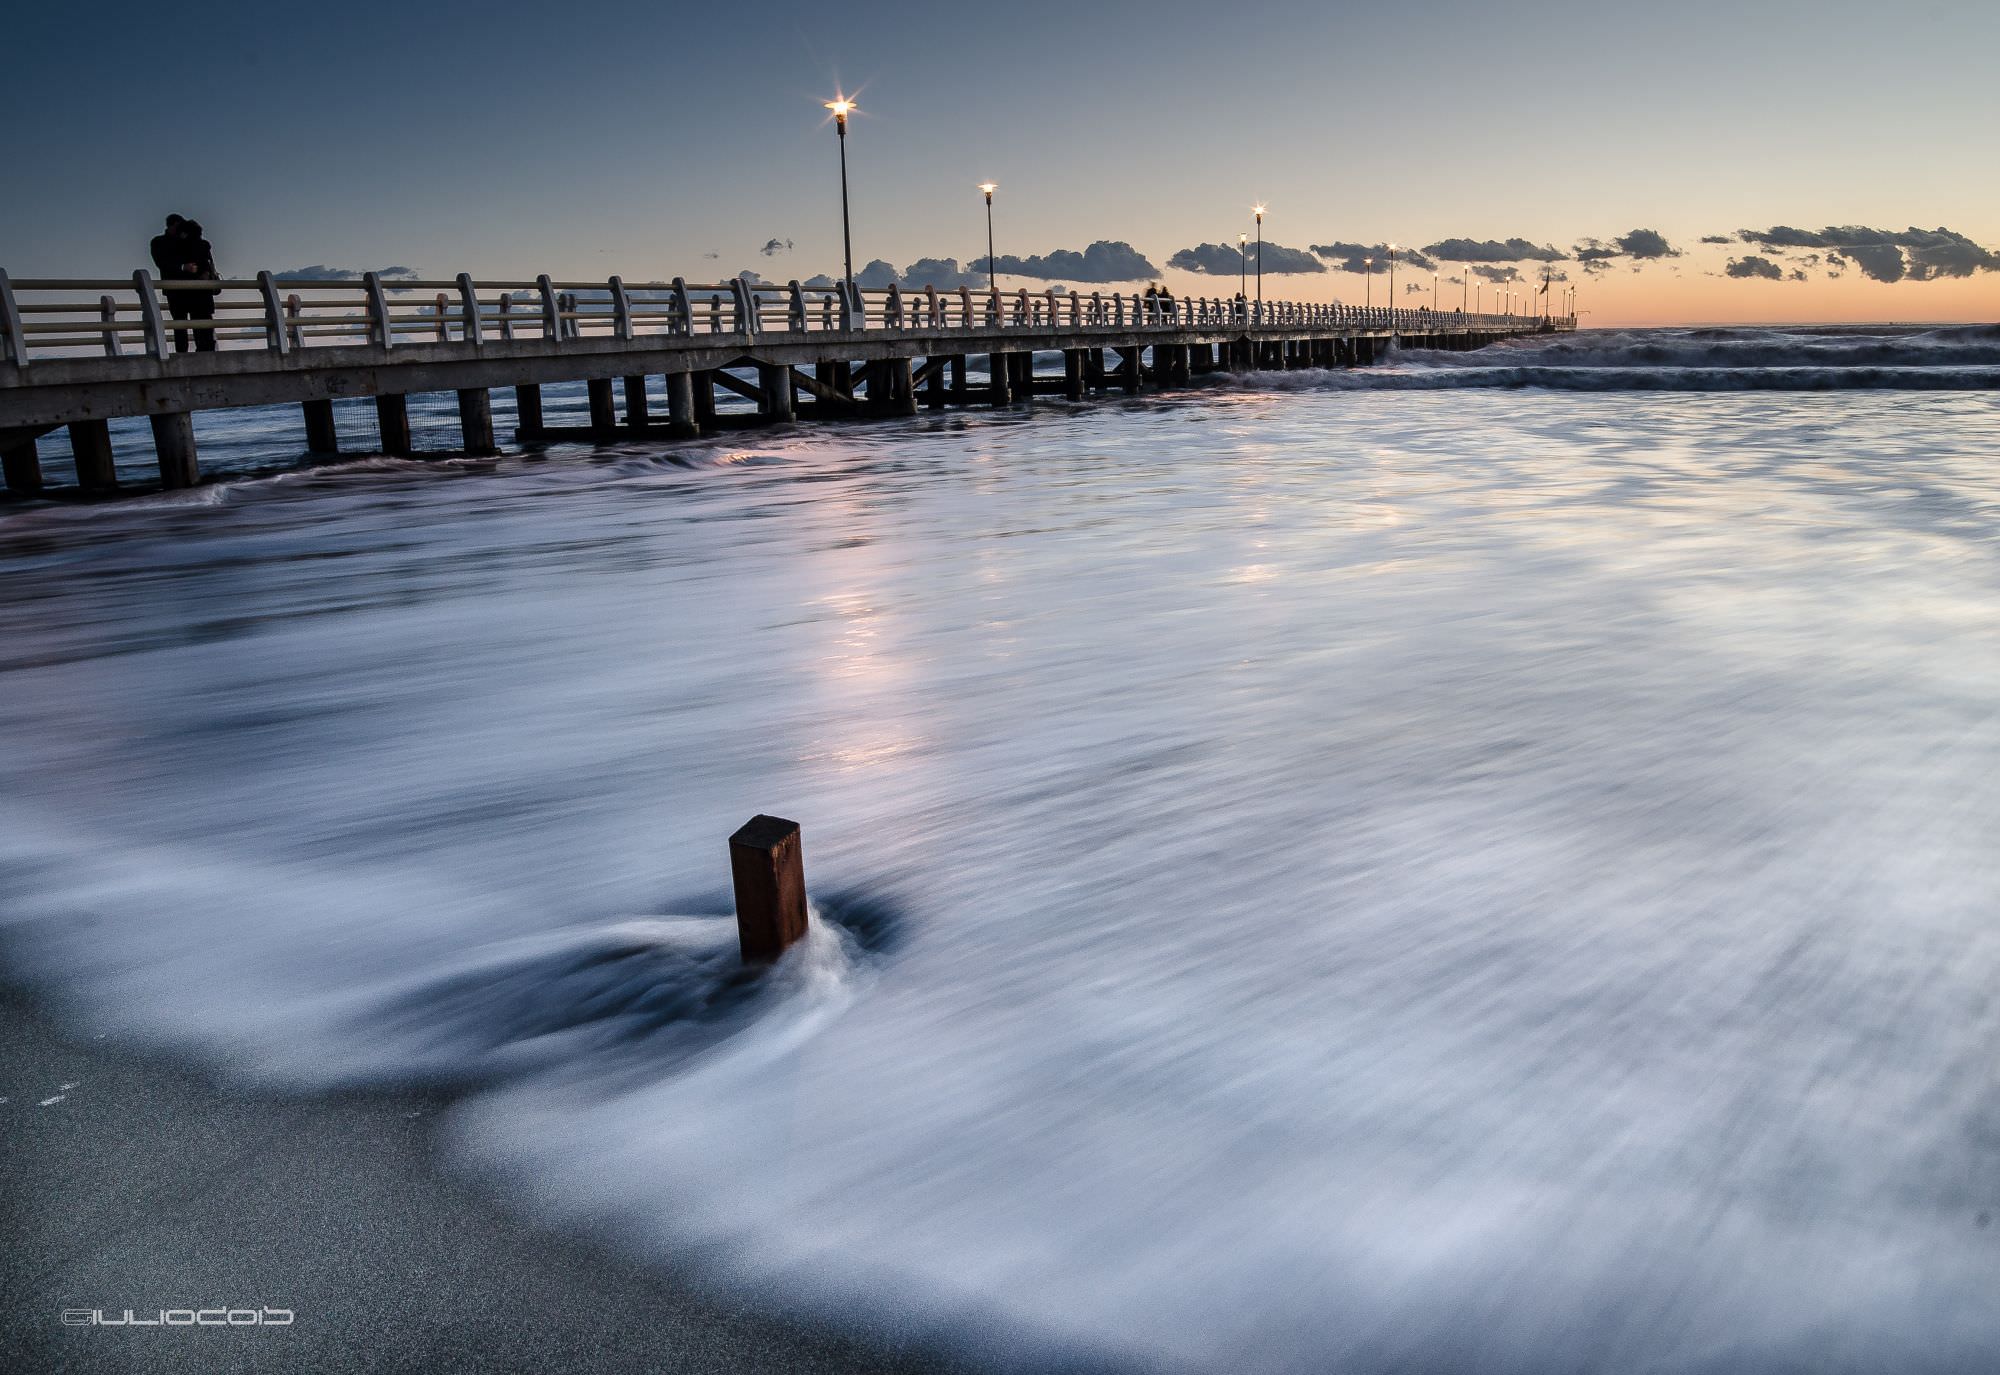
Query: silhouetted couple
pixel 183 255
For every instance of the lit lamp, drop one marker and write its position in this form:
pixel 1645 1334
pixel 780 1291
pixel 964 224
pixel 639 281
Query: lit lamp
pixel 1367 283
pixel 841 105
pixel 992 281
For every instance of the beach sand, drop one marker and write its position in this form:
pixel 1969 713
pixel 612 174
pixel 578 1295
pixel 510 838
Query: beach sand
pixel 145 1185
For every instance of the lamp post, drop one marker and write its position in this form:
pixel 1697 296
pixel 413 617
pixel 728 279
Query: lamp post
pixel 1242 266
pixel 1464 288
pixel 992 272
pixel 1368 284
pixel 840 105
pixel 1434 293
pixel 1392 285
pixel 1258 210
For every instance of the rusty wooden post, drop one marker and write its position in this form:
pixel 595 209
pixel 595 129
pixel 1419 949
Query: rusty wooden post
pixel 769 870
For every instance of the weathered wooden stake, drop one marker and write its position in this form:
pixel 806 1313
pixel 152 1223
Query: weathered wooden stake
pixel 768 867
pixel 173 441
pixel 320 435
pixel 90 445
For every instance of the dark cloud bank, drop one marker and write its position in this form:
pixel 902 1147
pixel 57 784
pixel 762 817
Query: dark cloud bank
pixel 1885 255
pixel 1222 260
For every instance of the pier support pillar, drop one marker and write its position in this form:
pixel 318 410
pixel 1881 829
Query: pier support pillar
pixel 173 441
pixel 1183 368
pixel 22 465
pixel 475 420
pixel 603 410
pixel 321 438
pixel 528 410
pixel 704 400
pixel 1001 367
pixel 956 385
pixel 934 390
pixel 637 415
pixel 902 391
pixel 775 381
pixel 90 443
pixel 1093 369
pixel 768 868
pixel 1128 370
pixel 392 424
pixel 680 406
pixel 1073 374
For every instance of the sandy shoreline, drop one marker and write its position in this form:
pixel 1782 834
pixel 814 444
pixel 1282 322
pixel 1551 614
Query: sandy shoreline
pixel 147 1186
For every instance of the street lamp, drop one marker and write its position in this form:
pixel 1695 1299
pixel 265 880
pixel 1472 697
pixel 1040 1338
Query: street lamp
pixel 1258 210
pixel 1242 265
pixel 1392 282
pixel 992 279
pixel 1434 293
pixel 1464 288
pixel 841 105
pixel 1368 284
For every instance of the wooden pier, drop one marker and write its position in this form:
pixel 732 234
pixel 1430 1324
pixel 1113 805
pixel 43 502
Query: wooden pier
pixel 80 353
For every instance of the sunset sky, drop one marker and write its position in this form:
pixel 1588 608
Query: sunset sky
pixel 661 139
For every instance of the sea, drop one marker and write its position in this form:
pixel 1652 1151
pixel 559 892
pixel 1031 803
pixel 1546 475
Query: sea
pixel 1482 863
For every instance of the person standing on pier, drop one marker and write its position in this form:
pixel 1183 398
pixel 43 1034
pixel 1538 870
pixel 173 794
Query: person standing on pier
pixel 182 254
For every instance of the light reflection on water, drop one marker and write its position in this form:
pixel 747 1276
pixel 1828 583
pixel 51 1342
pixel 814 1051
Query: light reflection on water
pixel 1494 880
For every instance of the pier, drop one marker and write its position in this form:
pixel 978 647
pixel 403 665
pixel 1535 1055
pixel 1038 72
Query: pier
pixel 77 354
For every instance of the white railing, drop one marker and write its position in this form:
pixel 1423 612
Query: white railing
pixel 68 318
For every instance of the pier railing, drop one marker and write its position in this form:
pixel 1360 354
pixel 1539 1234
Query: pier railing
pixel 69 318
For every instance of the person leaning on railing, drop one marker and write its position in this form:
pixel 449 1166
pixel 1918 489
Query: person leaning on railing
pixel 183 255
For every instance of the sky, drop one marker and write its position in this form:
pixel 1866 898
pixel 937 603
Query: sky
pixel 1851 143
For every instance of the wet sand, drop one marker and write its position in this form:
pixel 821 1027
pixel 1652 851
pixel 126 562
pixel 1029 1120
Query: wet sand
pixel 148 1186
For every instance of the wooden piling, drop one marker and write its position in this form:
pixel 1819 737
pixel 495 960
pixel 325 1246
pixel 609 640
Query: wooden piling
pixel 603 410
pixel 320 435
pixel 528 410
pixel 680 406
pixel 637 414
pixel 21 464
pixel 475 420
pixel 392 423
pixel 90 445
pixel 173 441
pixel 902 392
pixel 768 867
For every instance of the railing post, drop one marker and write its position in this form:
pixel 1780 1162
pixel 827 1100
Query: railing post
pixel 745 305
pixel 274 314
pixel 107 311
pixel 149 311
pixel 621 309
pixel 293 308
pixel 378 310
pixel 683 306
pixel 10 324
pixel 853 307
pixel 796 314
pixel 573 324
pixel 965 306
pixel 507 316
pixel 474 331
pixel 551 312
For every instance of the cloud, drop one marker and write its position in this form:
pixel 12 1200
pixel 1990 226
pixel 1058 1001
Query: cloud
pixel 1641 244
pixel 320 272
pixel 1106 260
pixel 1497 274
pixel 1352 257
pixel 1718 238
pixel 1647 243
pixel 1886 255
pixel 819 281
pixel 773 247
pixel 1221 260
pixel 1492 251
pixel 1755 266
pixel 943 273
pixel 877 274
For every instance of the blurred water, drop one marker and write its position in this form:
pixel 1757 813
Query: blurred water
pixel 1320 879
